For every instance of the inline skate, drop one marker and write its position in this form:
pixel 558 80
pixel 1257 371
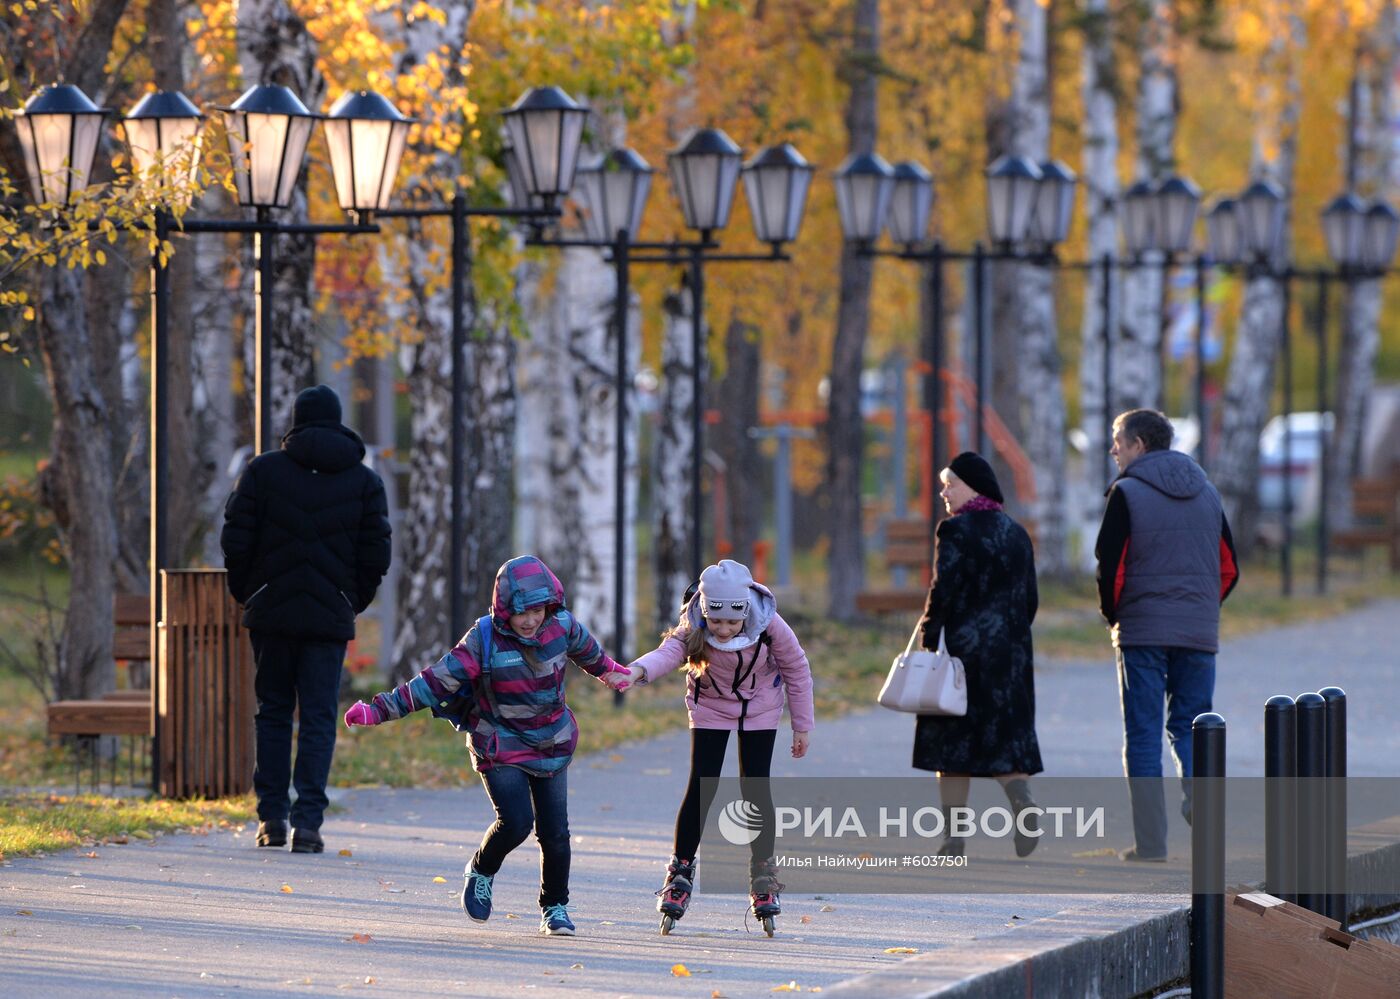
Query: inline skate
pixel 674 896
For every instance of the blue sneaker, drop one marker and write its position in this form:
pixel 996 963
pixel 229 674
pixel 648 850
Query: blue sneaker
pixel 555 921
pixel 476 895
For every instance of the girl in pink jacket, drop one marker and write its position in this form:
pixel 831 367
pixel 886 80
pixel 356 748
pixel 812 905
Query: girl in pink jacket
pixel 740 657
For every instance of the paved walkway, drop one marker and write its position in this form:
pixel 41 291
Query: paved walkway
pixel 209 915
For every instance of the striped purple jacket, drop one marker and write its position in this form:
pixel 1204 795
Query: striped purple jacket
pixel 517 716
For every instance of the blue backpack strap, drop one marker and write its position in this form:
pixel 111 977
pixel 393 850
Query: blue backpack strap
pixel 486 630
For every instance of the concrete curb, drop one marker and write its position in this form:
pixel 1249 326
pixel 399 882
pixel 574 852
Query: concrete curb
pixel 1110 947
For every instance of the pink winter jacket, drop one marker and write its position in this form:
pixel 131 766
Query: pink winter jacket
pixel 713 700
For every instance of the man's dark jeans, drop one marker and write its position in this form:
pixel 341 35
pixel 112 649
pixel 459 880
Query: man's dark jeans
pixel 522 802
pixel 293 675
pixel 1148 677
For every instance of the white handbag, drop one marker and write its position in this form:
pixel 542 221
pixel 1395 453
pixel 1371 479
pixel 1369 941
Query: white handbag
pixel 924 682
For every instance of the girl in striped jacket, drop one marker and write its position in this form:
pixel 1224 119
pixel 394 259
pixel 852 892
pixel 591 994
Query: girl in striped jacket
pixel 503 684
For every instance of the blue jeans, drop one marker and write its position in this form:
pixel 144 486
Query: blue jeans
pixel 524 802
pixel 1148 677
pixel 292 675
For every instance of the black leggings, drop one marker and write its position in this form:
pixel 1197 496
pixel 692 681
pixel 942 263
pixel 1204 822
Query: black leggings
pixel 707 746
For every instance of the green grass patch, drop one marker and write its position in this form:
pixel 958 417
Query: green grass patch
pixel 43 823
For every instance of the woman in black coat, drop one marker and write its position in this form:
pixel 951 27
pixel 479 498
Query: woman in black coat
pixel 984 599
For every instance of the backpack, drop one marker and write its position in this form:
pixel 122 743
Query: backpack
pixel 454 708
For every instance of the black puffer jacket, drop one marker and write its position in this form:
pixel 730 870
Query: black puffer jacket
pixel 306 535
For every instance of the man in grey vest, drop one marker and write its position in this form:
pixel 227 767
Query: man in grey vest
pixel 1166 564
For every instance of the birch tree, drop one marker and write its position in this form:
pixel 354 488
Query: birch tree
pixel 275 47
pixel 671 456
pixel 1249 384
pixel 1138 371
pixel 1032 305
pixel 1100 182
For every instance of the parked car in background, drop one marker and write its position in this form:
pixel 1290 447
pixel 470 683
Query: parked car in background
pixel 1303 471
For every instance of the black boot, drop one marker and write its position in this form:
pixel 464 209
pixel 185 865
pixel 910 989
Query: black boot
pixel 1018 792
pixel 307 841
pixel 273 833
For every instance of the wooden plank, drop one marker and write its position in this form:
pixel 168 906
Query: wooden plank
pixel 1277 949
pixel 132 610
pixel 890 601
pixel 128 695
pixel 1362 537
pixel 914 556
pixel 99 718
pixel 907 531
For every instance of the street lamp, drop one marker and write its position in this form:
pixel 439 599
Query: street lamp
pixel 911 203
pixel 163 128
pixel 268 129
pixel 1379 237
pixel 545 127
pixel 1175 203
pixel 1013 184
pixel 704 171
pixel 1261 209
pixel 864 187
pixel 1054 204
pixel 1343 225
pixel 613 194
pixel 1139 219
pixel 776 182
pixel 366 136
pixel 1223 239
pixel 58 130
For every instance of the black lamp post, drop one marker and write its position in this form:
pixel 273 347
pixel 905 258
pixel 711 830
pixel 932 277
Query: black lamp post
pixel 1029 208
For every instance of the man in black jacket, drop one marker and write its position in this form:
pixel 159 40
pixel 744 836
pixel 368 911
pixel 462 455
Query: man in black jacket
pixel 306 543
pixel 1166 564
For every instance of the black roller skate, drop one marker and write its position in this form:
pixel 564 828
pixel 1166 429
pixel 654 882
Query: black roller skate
pixel 674 896
pixel 763 895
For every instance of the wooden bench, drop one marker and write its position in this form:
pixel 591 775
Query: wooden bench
pixel 1375 505
pixel 906 547
pixel 122 712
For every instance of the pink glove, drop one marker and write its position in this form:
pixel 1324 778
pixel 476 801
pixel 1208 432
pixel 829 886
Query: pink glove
pixel 361 713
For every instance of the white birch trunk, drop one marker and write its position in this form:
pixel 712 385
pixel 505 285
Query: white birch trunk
pixel 1101 190
pixel 424 624
pixel 671 459
pixel 1249 385
pixel 212 397
pixel 275 47
pixel 1033 308
pixel 1138 354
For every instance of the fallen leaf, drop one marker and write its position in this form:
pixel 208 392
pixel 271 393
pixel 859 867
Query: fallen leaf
pixel 141 834
pixel 805 919
pixel 23 912
pixel 120 840
pixel 1106 851
pixel 205 974
pixel 716 994
pixel 903 950
pixel 92 855
pixel 131 926
pixel 789 987
pixel 511 915
pixel 439 880
pixel 286 889
pixel 616 757
pixel 680 971
pixel 399 891
pixel 828 908
pixel 346 853
pixel 370 980
pixel 361 938
pixel 576 967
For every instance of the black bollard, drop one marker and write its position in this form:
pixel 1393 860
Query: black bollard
pixel 1336 790
pixel 1281 797
pixel 1312 802
pixel 1208 857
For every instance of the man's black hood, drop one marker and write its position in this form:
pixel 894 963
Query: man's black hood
pixel 1171 473
pixel 324 446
